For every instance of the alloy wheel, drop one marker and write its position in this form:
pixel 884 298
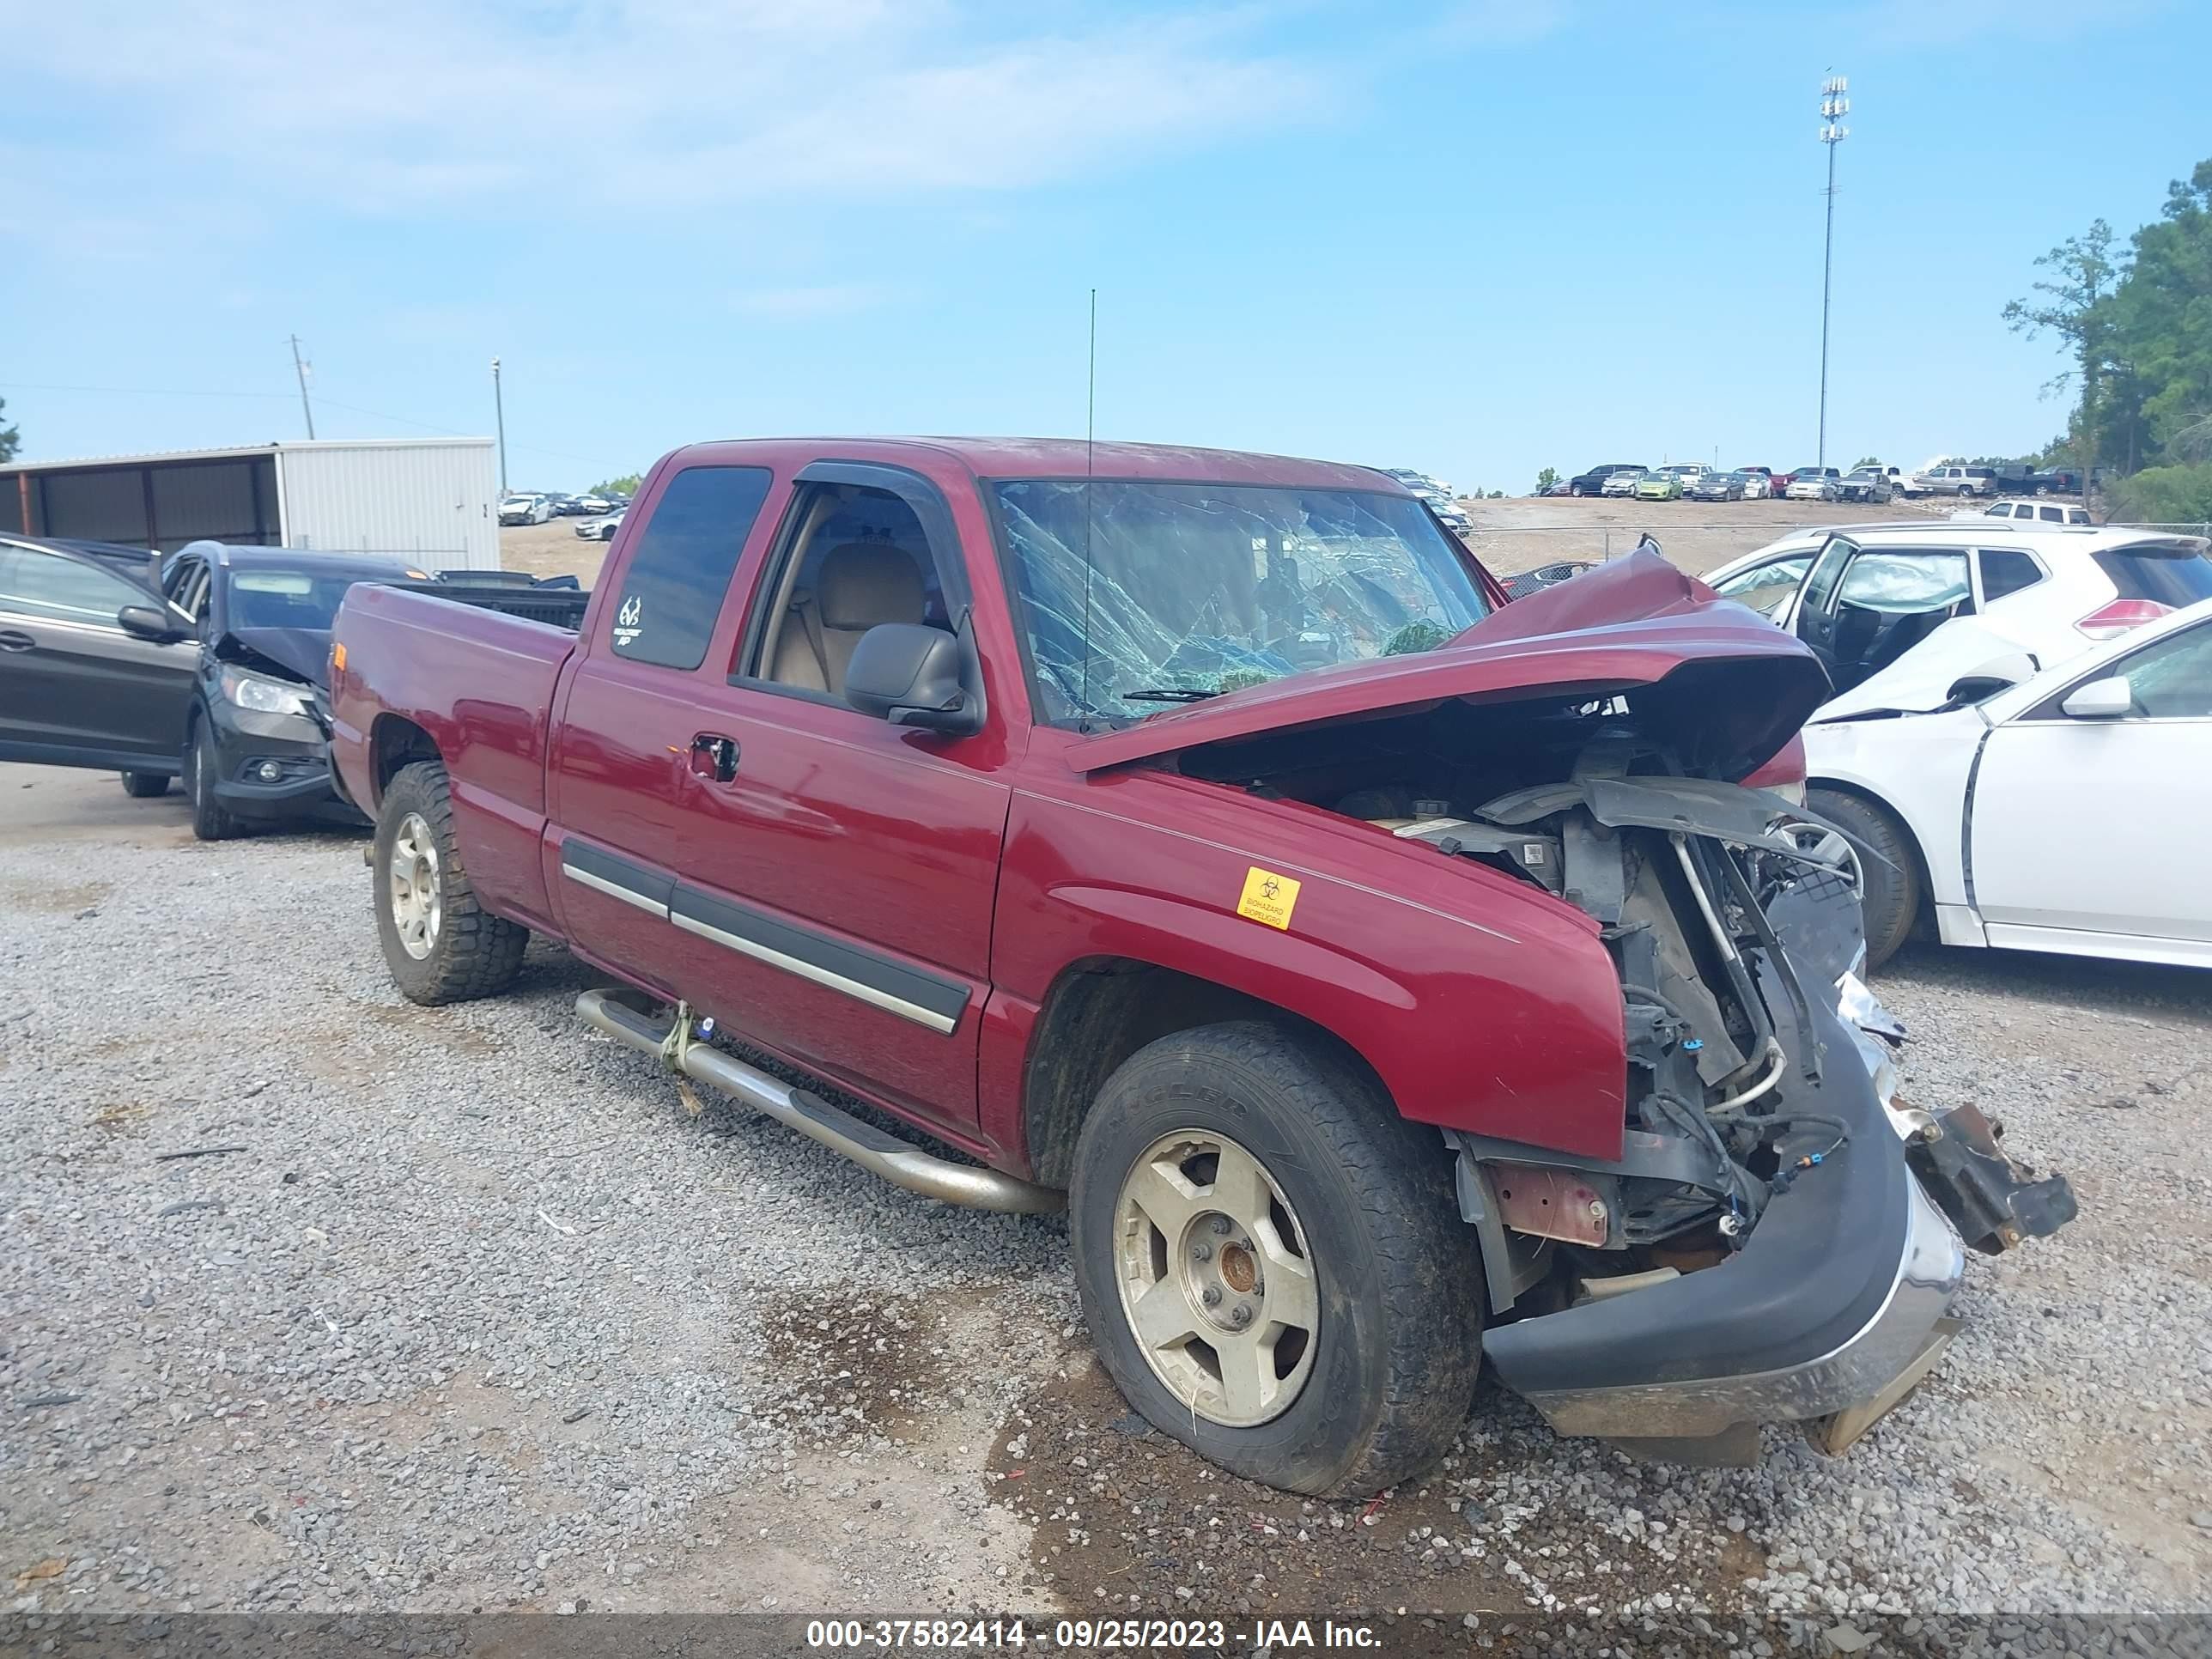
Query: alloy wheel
pixel 417 906
pixel 1217 1279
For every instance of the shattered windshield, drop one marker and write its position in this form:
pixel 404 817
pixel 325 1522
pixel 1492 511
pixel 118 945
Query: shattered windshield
pixel 1194 590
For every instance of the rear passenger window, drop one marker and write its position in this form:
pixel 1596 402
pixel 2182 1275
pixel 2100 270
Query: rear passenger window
pixel 2006 571
pixel 680 567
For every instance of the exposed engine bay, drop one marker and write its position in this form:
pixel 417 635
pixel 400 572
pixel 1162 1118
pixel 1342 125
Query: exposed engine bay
pixel 1732 918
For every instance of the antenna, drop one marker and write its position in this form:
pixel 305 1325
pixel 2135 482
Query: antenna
pixel 1090 438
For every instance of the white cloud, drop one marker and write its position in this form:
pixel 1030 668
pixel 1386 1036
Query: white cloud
pixel 417 104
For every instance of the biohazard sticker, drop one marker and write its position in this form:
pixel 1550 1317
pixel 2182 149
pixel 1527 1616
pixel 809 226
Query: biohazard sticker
pixel 628 620
pixel 1268 897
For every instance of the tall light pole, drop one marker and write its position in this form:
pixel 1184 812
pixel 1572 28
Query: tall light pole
pixel 499 413
pixel 1834 107
pixel 299 369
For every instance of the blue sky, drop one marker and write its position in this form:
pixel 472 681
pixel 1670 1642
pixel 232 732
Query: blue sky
pixel 1478 238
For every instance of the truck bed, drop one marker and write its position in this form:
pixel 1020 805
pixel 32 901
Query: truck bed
pixel 467 671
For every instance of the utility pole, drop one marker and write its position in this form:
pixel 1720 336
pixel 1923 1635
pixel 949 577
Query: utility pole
pixel 1834 107
pixel 499 413
pixel 299 369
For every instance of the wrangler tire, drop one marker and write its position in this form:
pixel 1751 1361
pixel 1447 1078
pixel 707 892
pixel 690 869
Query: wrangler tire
pixel 464 952
pixel 1890 897
pixel 1390 1364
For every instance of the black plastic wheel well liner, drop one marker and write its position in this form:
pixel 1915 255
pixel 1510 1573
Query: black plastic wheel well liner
pixel 1099 1012
pixel 395 742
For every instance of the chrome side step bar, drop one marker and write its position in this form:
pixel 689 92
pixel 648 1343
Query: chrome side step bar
pixel 627 1016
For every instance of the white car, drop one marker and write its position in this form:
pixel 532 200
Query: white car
pixel 2056 814
pixel 2017 508
pixel 598 530
pixel 1688 472
pixel 1621 484
pixel 1814 484
pixel 526 509
pixel 1759 482
pixel 1894 610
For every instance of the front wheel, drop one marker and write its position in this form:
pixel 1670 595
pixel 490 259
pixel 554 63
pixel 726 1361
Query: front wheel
pixel 439 944
pixel 1574 489
pixel 211 820
pixel 1272 1261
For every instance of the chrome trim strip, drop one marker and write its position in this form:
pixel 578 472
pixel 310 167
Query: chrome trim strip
pixel 614 890
pixel 851 987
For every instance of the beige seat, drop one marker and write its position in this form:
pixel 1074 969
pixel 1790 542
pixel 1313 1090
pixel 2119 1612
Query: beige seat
pixel 860 585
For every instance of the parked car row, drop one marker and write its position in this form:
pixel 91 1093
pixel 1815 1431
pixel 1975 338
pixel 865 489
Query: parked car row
pixel 537 506
pixel 1441 499
pixel 1869 482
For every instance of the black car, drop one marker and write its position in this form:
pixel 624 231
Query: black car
pixel 1589 483
pixel 207 665
pixel 254 740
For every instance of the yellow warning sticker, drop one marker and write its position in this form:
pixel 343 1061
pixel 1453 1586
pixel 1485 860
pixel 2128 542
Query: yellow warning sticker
pixel 1268 897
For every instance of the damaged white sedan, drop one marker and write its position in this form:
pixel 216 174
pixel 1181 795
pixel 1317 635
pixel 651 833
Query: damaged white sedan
pixel 2051 811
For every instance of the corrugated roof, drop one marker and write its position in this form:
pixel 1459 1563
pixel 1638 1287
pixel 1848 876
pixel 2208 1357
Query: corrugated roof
pixel 238 452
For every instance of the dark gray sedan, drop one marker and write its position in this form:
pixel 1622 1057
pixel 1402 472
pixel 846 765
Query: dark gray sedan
pixel 1720 487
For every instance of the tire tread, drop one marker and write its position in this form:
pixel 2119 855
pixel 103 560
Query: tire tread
pixel 478 954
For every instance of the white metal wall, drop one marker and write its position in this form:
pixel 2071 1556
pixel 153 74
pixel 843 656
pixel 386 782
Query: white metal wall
pixel 435 501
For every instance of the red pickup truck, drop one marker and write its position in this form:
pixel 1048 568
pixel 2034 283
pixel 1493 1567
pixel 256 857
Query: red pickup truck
pixel 1384 976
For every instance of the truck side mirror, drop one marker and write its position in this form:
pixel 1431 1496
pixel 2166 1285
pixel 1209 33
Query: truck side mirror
pixel 144 622
pixel 910 675
pixel 2108 699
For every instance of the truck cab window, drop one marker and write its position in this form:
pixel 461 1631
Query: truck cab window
pixel 680 567
pixel 857 557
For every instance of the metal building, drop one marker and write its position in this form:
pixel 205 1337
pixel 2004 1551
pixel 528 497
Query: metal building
pixel 434 500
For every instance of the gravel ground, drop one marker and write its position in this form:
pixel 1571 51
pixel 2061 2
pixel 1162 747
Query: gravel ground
pixel 479 1316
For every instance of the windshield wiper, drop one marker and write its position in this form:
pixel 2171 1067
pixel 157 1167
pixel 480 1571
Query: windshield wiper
pixel 1169 694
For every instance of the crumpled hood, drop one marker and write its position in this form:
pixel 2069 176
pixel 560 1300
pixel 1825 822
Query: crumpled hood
pixel 1709 677
pixel 305 652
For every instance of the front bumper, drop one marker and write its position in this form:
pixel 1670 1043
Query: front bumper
pixel 247 741
pixel 1834 1307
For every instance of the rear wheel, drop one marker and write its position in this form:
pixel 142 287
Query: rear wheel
pixel 1272 1262
pixel 145 785
pixel 439 944
pixel 1890 888
pixel 210 820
